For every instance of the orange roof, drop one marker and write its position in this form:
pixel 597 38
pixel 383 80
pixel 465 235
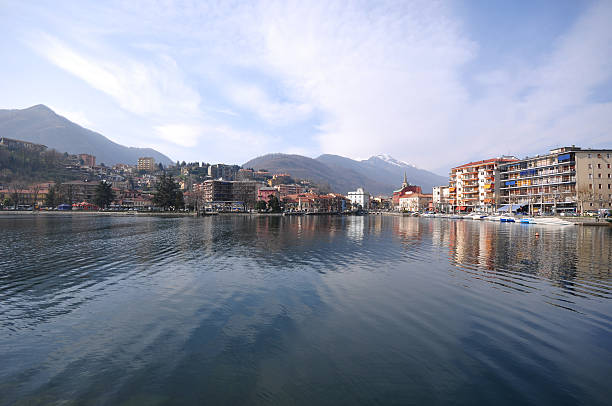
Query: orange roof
pixel 486 161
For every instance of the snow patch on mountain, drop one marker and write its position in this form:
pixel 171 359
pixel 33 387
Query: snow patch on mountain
pixel 389 159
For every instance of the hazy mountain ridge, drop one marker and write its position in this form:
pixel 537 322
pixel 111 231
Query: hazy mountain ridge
pixel 376 175
pixel 41 125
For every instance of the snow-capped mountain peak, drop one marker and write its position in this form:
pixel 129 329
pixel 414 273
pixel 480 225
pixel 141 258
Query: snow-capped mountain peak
pixel 389 159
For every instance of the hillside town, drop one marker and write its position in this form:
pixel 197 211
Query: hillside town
pixel 564 180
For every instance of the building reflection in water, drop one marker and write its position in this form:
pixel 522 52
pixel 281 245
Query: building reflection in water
pixel 574 258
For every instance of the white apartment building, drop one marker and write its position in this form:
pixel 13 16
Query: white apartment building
pixel 360 198
pixel 441 199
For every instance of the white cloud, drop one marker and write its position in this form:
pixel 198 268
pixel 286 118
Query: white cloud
pixel 376 77
pixel 138 87
pixel 254 99
pixel 75 116
pixel 180 134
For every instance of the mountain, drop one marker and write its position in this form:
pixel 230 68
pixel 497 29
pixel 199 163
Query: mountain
pixel 41 125
pixel 302 167
pixel 379 175
pixel 384 168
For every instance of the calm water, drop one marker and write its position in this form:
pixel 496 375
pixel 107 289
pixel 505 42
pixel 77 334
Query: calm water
pixel 303 310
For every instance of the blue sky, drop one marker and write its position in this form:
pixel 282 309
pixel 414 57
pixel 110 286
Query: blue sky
pixel 432 83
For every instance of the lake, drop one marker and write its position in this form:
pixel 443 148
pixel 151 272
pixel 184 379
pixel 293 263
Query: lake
pixel 303 310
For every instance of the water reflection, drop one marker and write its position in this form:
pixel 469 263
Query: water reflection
pixel 305 309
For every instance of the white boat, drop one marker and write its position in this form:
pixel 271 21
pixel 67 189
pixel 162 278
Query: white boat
pixel 553 221
pixel 494 218
pixel 477 216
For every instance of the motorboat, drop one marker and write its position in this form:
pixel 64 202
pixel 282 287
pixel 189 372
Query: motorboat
pixel 554 221
pixel 507 219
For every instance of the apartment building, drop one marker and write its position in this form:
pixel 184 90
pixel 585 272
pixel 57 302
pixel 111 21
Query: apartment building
pixel 222 171
pixel 88 160
pixel 566 179
pixel 415 202
pixel 472 185
pixel 12 144
pixel 146 164
pixel 286 190
pixel 360 198
pixel 78 191
pixel 441 199
pixel 228 194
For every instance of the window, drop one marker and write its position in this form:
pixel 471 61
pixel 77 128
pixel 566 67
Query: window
pixel 590 176
pixel 608 186
pixel 588 155
pixel 590 186
pixel 599 175
pixel 600 185
pixel 608 166
pixel 598 166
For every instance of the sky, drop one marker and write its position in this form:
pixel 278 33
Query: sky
pixel 435 84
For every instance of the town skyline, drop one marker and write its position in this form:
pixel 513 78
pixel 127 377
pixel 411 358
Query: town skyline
pixel 429 83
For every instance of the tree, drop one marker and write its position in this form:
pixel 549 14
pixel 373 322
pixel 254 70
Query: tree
pixel 35 192
pixel 52 197
pixel 15 188
pixel 168 194
pixel 274 204
pixel 104 195
pixel 260 205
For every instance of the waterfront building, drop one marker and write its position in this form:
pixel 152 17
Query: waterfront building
pixel 314 203
pixel 264 193
pixel 403 191
pixel 78 191
pixel 360 199
pixel 441 199
pixel 228 195
pixel 472 185
pixel 567 179
pixel 417 202
pixel 146 164
pixel 33 195
pixel 380 203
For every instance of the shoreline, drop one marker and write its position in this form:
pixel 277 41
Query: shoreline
pixel 582 221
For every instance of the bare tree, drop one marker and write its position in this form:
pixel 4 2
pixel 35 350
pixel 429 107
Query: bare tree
pixel 15 189
pixel 35 192
pixel 583 195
